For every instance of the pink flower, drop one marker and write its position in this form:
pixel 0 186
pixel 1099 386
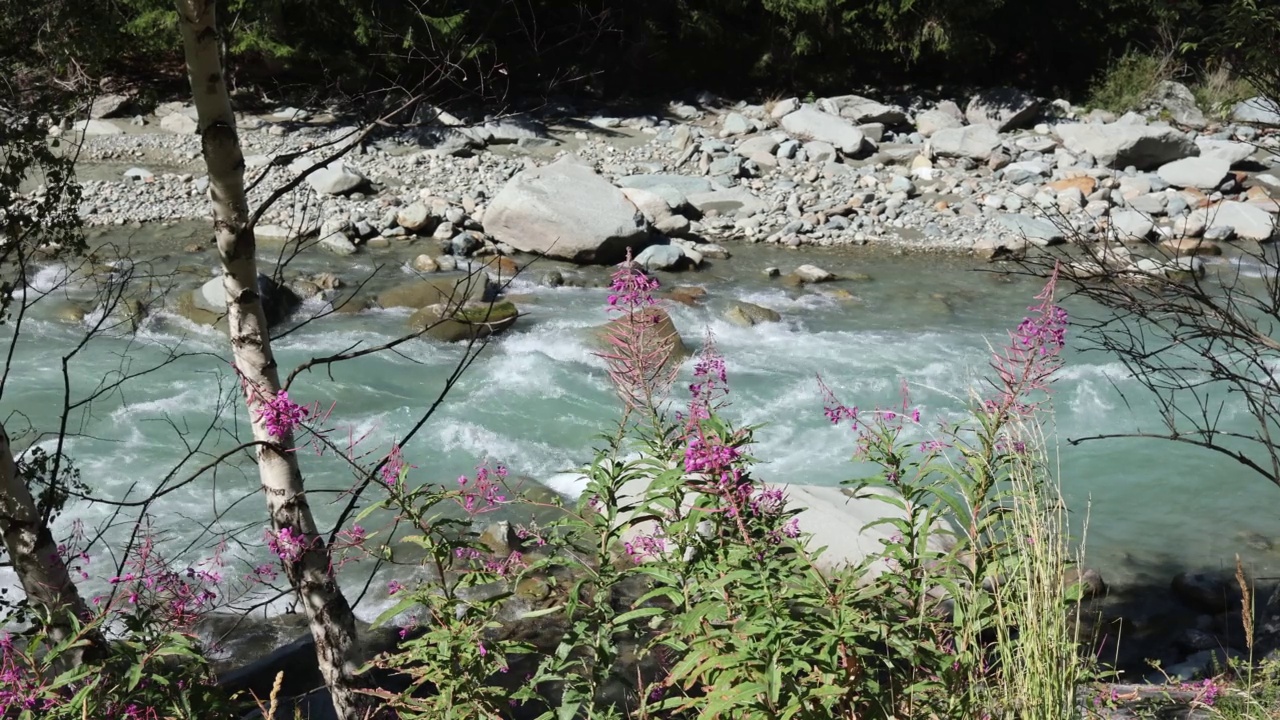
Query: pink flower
pixel 288 544
pixel 281 415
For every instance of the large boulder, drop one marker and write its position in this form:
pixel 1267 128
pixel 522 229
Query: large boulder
pixel 809 123
pixel 97 127
pixel 1257 110
pixel 1248 221
pixel 179 123
pixel 661 257
pixel 1178 100
pixel 931 121
pixel 1035 229
pixel 565 210
pixel 278 301
pixel 863 110
pixel 1231 152
pixel 454 291
pixel 1205 173
pixel 977 142
pixel 475 321
pixel 109 106
pixel 1143 146
pixel 336 178
pixel 738 202
pixel 1002 108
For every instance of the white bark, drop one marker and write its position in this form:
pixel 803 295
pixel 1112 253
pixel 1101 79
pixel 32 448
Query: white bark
pixel 41 570
pixel 311 574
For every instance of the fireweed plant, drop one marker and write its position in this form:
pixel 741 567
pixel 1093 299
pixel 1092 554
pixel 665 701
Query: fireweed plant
pixel 684 587
pixel 153 664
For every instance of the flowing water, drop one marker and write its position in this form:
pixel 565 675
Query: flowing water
pixel 538 399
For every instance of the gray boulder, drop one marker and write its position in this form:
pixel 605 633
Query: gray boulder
pixel 338 243
pixel 1036 230
pixel 1142 146
pixel 653 206
pixel 336 178
pixel 736 201
pixel 278 301
pixel 758 145
pixel 819 152
pixel 1232 152
pixel 809 123
pixel 1180 103
pixel 1002 108
pixel 509 130
pixel 978 142
pixel 931 121
pixel 1195 172
pixel 178 123
pixel 1131 225
pixel 565 210
pixel 1258 111
pixel 675 189
pixel 863 110
pixel 660 257
pixel 96 127
pixel 736 124
pixel 1248 221
pixel 109 106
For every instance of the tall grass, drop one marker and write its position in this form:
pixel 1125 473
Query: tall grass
pixel 1039 651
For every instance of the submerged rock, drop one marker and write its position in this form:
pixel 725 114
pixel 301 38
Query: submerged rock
pixel 747 314
pixel 474 321
pixel 433 291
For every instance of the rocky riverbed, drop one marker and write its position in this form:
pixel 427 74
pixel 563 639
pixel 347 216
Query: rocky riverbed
pixel 989 174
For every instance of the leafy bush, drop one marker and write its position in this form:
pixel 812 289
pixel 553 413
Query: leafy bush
pixel 1129 83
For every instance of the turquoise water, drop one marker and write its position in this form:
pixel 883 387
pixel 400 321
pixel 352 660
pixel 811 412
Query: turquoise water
pixel 538 399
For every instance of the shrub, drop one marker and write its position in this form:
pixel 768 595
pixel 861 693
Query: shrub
pixel 1129 82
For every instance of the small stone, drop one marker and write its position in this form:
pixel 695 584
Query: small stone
pixel 414 217
pixel 811 274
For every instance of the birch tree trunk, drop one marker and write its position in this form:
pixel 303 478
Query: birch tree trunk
pixel 310 571
pixel 41 570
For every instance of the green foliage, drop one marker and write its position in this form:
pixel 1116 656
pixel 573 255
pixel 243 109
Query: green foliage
pixel 735 45
pixel 1129 83
pixel 148 673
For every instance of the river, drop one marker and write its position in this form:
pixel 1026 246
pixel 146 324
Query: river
pixel 537 400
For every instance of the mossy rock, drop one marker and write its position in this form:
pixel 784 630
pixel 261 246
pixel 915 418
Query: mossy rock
pixel 747 314
pixel 686 294
pixel 425 292
pixel 475 321
pixel 71 312
pixel 187 308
